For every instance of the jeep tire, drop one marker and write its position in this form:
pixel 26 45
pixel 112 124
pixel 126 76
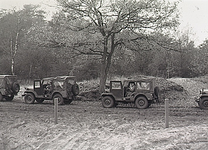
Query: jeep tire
pixel 75 89
pixel 39 100
pixel 9 98
pixel 29 98
pixel 68 101
pixel 108 102
pixel 15 87
pixel 60 99
pixel 203 103
pixel 141 102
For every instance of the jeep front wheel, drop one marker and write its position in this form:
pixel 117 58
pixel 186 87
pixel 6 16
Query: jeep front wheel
pixel 59 98
pixel 203 103
pixel 141 102
pixel 108 102
pixel 29 98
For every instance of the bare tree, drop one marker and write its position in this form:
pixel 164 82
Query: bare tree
pixel 106 21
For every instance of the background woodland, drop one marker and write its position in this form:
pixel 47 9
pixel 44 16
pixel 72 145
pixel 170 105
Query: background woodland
pixel 73 41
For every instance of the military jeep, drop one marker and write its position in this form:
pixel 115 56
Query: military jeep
pixel 8 87
pixel 203 99
pixel 64 88
pixel 141 92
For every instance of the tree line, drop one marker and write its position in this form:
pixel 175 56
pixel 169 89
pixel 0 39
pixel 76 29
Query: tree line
pixel 98 38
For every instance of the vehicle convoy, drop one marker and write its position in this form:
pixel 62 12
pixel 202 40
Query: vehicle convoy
pixel 8 87
pixel 203 99
pixel 63 88
pixel 142 92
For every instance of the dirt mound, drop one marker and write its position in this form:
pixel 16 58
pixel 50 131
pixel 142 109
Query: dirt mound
pixel 167 85
pixel 192 86
pixel 171 90
pixel 89 90
pixel 90 95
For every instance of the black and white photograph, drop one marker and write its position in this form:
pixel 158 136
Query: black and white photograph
pixel 103 75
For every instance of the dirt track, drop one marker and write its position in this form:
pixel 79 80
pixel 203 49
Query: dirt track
pixel 87 125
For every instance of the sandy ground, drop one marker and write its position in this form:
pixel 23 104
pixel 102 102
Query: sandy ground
pixel 88 126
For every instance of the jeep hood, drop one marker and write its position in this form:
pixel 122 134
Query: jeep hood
pixel 29 88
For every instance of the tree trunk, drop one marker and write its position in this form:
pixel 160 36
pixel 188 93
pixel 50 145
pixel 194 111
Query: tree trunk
pixel 12 61
pixel 103 73
pixel 103 78
pixel 106 62
pixel 13 52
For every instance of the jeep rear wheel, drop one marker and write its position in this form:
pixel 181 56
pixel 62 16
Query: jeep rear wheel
pixel 68 101
pixel 9 98
pixel 149 104
pixel 29 98
pixel 60 99
pixel 108 102
pixel 141 102
pixel 39 101
pixel 203 103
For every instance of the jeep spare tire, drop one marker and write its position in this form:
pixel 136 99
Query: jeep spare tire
pixel 15 87
pixel 75 89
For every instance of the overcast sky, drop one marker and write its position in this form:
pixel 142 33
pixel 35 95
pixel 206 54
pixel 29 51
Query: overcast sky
pixel 193 14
